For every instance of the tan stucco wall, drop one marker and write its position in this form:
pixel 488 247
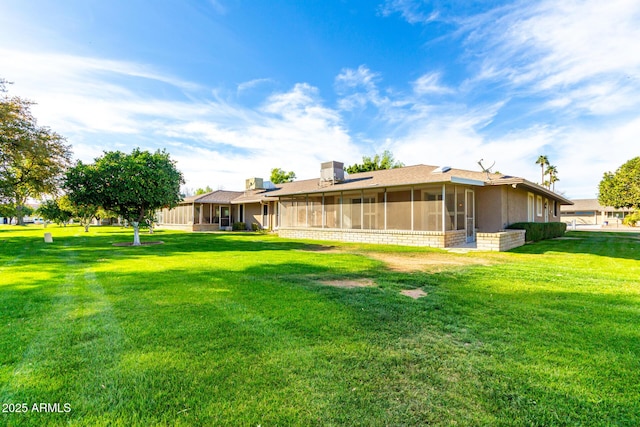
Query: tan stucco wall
pixel 489 209
pixel 515 206
pixel 252 213
pixel 499 206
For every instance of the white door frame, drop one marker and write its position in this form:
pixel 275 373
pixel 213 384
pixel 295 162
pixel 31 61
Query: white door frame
pixel 265 217
pixel 469 215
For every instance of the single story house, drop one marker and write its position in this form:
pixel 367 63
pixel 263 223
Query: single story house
pixel 416 205
pixel 205 212
pixel 590 212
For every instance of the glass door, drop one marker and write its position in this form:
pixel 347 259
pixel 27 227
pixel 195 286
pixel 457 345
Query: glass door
pixel 470 219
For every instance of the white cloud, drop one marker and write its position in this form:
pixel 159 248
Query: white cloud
pixel 585 49
pixel 358 88
pixel 412 11
pixel 245 86
pixel 430 84
pixel 100 105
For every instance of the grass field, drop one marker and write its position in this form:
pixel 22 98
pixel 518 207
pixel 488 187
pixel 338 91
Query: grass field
pixel 242 329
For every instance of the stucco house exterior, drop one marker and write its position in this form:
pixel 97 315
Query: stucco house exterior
pixel 205 212
pixel 416 205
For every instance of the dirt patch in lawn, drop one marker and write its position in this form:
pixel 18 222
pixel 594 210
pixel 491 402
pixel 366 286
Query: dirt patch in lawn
pixel 349 284
pixel 414 293
pixel 431 261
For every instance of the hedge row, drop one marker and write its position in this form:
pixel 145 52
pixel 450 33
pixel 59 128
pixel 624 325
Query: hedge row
pixel 540 230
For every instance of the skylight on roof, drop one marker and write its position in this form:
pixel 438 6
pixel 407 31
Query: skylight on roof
pixel 442 169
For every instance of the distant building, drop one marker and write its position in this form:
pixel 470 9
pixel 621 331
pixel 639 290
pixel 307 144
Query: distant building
pixel 590 212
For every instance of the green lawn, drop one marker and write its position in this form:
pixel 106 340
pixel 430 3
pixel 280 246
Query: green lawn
pixel 239 329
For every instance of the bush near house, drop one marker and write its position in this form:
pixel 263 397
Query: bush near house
pixel 632 219
pixel 238 226
pixel 540 230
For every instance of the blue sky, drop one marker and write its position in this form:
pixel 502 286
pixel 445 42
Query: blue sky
pixel 234 88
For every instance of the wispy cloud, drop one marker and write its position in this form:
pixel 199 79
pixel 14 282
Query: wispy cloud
pixel 357 88
pixel 106 105
pixel 430 84
pixel 245 86
pixel 586 50
pixel 412 11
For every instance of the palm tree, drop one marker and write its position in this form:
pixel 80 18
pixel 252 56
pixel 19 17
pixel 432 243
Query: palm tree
pixel 542 161
pixel 552 171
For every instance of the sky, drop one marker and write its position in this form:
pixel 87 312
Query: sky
pixel 232 88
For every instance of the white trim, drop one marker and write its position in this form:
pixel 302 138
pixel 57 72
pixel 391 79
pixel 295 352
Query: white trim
pixel 470 238
pixel 539 206
pixel 443 209
pixel 531 207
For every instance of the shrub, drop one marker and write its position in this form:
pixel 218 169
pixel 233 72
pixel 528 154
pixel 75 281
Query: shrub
pixel 255 226
pixel 239 226
pixel 632 219
pixel 540 230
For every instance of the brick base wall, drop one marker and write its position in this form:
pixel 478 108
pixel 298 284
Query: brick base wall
pixel 500 241
pixel 434 239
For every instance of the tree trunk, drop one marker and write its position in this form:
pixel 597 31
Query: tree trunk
pixel 136 233
pixel 19 217
pixel 86 227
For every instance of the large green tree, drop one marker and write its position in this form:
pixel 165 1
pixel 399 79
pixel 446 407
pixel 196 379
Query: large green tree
pixel 279 176
pixel 32 158
pixel 132 186
pixel 622 188
pixel 378 162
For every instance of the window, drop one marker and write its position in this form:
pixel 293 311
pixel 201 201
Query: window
pixel 530 207
pixel 539 206
pixel 555 208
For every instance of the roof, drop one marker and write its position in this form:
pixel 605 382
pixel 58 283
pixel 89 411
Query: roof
pixel 218 196
pixel 399 177
pixel 410 175
pixel 255 196
pixel 587 205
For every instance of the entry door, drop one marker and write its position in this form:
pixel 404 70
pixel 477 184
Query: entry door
pixel 225 216
pixel 265 216
pixel 546 210
pixel 470 219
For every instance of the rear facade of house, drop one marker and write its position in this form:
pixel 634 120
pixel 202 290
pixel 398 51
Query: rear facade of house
pixel 416 205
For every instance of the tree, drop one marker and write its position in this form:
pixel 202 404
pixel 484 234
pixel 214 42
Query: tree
pixel 205 190
pixel 50 210
pixel 386 161
pixel 133 186
pixel 32 158
pixel 542 161
pixel 622 188
pixel 80 201
pixel 552 171
pixel 83 212
pixel 279 176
